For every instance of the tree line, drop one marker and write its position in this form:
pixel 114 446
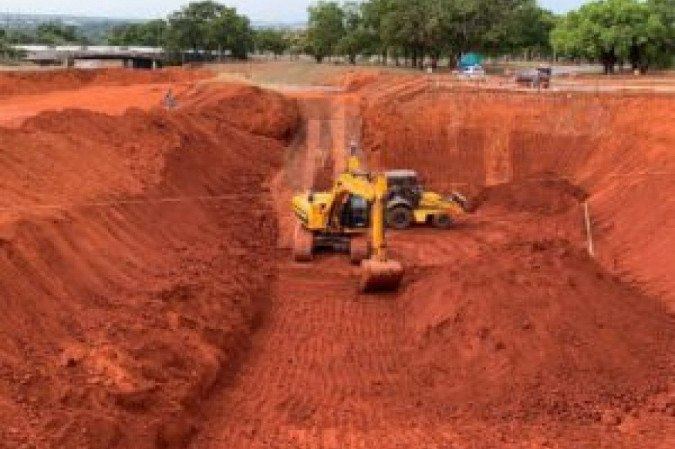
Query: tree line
pixel 416 31
pixel 50 33
pixel 404 31
pixel 423 32
pixel 639 33
pixel 199 31
pixel 614 32
pixel 618 32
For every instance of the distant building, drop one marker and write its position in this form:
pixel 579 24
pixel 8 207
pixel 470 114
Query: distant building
pixel 94 56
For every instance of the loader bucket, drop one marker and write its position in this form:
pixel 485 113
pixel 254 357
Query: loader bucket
pixel 379 276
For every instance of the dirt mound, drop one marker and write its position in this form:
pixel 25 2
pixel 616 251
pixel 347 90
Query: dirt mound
pixel 22 83
pixel 543 194
pixel 244 107
pixel 536 330
pixel 129 286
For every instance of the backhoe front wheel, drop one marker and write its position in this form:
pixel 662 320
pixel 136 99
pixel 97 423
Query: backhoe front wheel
pixel 303 245
pixel 399 217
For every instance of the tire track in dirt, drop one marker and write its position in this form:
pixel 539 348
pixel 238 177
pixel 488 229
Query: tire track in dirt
pixel 318 368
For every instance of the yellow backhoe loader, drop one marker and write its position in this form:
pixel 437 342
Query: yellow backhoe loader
pixel 408 203
pixel 349 218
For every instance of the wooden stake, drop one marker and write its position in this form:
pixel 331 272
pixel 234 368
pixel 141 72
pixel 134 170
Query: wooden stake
pixel 589 230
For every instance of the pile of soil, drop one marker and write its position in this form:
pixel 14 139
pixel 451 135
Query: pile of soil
pixel 535 330
pixel 128 284
pixel 243 106
pixel 26 83
pixel 542 195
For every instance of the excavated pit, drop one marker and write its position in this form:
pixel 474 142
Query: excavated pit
pixel 150 300
pixel 615 148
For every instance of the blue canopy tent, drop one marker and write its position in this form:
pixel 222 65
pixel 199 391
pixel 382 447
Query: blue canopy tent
pixel 469 60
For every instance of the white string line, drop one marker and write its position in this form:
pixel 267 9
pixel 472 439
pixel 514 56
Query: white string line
pixel 215 198
pixel 112 203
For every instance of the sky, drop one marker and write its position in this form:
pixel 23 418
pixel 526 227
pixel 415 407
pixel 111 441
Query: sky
pixel 258 10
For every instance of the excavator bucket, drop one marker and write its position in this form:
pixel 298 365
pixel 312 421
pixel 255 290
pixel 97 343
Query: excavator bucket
pixel 380 276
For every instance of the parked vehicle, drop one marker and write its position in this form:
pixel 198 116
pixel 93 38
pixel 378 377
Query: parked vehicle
pixel 472 72
pixel 535 78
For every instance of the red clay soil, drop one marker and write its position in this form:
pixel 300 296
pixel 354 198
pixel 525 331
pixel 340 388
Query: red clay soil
pixel 109 100
pixel 243 107
pixel 142 313
pixel 27 83
pixel 127 289
pixel 617 148
pixel 505 334
pixel 527 325
pixel 513 322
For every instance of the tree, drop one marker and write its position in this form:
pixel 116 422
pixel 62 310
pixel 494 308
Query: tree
pixel 148 34
pixel 206 28
pixel 358 39
pixel 432 28
pixel 373 13
pixel 662 27
pixel 614 31
pixel 230 31
pixel 188 27
pixel 6 50
pixel 270 40
pixel 404 25
pixel 56 33
pixel 325 29
pixel 297 43
pixel 525 28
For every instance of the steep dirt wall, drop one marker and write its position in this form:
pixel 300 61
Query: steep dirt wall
pixel 509 319
pixel 135 258
pixel 617 148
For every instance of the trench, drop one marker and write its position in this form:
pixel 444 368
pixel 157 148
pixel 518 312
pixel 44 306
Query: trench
pixel 503 322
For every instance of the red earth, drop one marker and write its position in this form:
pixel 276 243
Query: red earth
pixel 150 301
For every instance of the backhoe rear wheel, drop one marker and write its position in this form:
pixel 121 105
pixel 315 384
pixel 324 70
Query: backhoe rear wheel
pixel 399 217
pixel 303 245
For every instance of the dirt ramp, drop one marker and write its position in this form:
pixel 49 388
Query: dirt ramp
pixel 536 330
pixel 136 255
